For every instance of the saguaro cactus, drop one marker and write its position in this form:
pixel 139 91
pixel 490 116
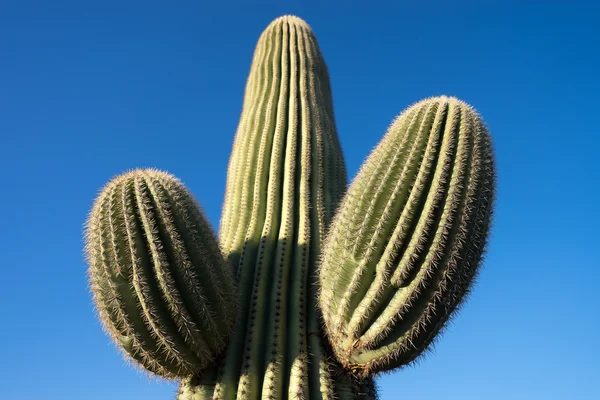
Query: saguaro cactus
pixel 403 249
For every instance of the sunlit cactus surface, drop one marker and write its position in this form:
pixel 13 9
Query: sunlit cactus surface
pixel 310 290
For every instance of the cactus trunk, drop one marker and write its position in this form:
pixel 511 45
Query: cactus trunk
pixel 286 176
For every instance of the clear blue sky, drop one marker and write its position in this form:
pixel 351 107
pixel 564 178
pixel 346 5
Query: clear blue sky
pixel 90 89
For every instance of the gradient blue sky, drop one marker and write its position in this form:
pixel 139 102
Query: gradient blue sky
pixel 90 89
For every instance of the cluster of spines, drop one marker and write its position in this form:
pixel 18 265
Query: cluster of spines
pixel 406 243
pixel 161 286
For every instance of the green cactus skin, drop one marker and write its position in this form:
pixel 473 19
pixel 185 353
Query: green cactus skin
pixel 406 243
pixel 161 286
pixel 286 176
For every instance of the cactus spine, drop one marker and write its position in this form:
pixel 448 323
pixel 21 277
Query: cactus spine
pixel 406 243
pixel 160 283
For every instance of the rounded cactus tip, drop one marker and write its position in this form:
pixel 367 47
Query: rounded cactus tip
pixel 161 286
pixel 406 244
pixel 291 20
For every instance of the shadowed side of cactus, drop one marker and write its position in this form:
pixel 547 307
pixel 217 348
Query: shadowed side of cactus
pixel 407 241
pixel 286 176
pixel 161 286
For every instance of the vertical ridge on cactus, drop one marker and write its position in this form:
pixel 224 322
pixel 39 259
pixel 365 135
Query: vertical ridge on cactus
pixel 407 241
pixel 160 284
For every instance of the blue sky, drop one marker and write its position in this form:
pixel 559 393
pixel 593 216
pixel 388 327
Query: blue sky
pixel 90 89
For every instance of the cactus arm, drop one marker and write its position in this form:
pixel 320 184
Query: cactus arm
pixel 405 247
pixel 161 286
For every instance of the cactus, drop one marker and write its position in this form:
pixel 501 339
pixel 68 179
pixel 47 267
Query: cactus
pixel 407 241
pixel 403 247
pixel 161 286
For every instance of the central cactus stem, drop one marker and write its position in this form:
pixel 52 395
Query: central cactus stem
pixel 285 179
